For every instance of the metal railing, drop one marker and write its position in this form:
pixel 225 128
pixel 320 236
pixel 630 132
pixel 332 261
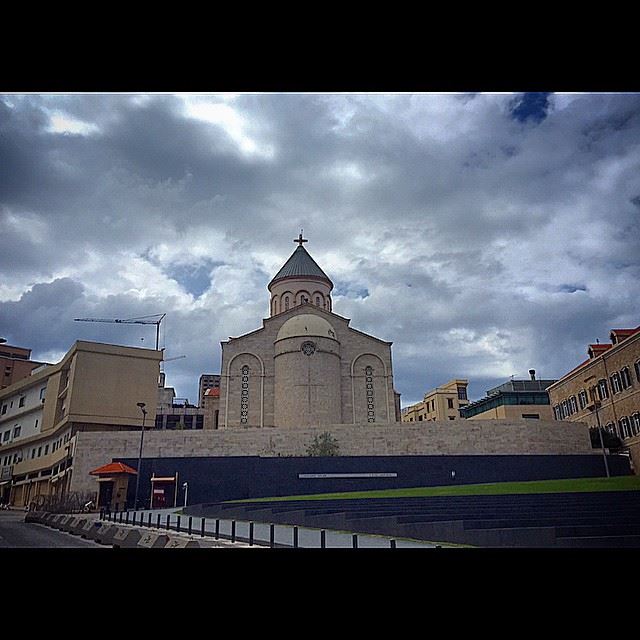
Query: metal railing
pixel 175 522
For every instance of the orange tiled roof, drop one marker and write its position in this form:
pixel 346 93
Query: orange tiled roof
pixel 625 332
pixel 112 467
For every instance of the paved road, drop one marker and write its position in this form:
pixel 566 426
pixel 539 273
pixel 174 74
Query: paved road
pixel 16 533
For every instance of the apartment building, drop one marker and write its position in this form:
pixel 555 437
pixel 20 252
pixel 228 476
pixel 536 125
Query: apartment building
pixel 441 403
pixel 95 387
pixel 604 389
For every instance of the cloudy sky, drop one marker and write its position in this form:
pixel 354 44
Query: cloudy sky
pixel 483 234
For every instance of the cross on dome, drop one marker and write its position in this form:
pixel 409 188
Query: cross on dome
pixel 300 239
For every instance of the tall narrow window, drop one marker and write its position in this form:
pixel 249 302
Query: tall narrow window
pixel 244 395
pixel 625 378
pixel 603 389
pixel 625 430
pixel 573 405
pixel 318 301
pixel 615 383
pixel 582 398
pixel 286 303
pixel 635 423
pixel 371 412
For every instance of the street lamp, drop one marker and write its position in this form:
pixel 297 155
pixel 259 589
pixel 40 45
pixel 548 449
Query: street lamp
pixel 185 486
pixel 594 407
pixel 142 406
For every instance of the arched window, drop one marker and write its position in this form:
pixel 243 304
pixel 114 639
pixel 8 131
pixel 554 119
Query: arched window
pixel 318 303
pixel 625 427
pixel 603 389
pixel 615 383
pixel 286 303
pixel 572 405
pixel 635 423
pixel 371 412
pixel 244 395
pixel 625 378
pixel 582 398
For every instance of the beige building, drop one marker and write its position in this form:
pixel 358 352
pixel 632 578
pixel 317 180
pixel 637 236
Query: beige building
pixel 176 413
pixel 211 405
pixel 605 388
pixel 95 387
pixel 15 364
pixel 207 381
pixel 441 403
pixel 513 400
pixel 305 366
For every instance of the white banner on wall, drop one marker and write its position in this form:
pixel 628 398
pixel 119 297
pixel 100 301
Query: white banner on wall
pixel 346 475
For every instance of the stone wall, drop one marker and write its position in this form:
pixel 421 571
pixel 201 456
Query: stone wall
pixel 457 437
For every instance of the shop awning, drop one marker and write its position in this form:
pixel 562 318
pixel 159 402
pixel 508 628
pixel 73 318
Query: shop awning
pixel 111 468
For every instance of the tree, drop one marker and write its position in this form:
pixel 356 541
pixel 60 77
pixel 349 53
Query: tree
pixel 611 441
pixel 323 445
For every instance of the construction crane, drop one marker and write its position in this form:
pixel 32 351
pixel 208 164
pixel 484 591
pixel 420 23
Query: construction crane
pixel 141 320
pixel 174 358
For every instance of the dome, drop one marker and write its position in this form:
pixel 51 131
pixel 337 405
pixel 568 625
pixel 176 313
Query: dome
pixel 302 266
pixel 306 324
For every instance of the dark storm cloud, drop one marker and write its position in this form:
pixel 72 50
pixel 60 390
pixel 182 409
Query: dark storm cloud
pixel 479 233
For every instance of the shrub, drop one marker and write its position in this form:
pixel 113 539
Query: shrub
pixel 323 445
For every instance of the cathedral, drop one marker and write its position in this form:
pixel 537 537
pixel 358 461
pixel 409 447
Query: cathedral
pixel 305 366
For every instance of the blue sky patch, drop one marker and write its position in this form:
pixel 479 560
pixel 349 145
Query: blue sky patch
pixel 195 279
pixel 530 106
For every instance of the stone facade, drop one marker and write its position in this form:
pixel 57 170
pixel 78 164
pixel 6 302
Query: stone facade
pixel 348 393
pixel 609 381
pixel 428 438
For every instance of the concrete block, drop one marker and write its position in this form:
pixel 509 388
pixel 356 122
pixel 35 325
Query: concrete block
pixel 34 516
pixel 65 523
pixel 75 525
pixel 127 537
pixel 181 542
pixel 153 540
pixel 56 520
pixel 104 533
pixel 89 528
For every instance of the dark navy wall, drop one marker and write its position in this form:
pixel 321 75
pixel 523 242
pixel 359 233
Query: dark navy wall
pixel 228 478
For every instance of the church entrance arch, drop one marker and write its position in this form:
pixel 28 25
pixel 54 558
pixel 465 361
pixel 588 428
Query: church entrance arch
pixel 245 391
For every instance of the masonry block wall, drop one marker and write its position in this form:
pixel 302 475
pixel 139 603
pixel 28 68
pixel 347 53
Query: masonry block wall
pixel 457 437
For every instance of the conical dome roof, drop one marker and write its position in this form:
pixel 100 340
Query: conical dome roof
pixel 301 265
